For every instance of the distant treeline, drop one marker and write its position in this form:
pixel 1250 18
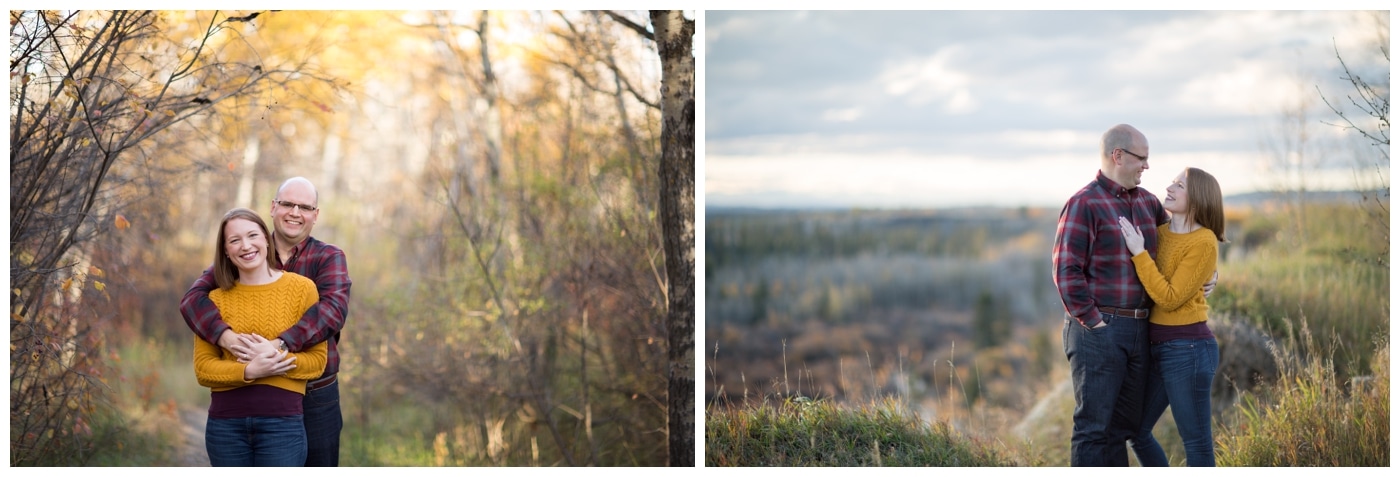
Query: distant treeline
pixel 788 267
pixel 739 236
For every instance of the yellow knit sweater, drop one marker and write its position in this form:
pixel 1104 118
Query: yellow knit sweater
pixel 1185 262
pixel 266 310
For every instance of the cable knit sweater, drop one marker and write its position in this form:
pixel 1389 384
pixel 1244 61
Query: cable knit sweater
pixel 266 310
pixel 1185 262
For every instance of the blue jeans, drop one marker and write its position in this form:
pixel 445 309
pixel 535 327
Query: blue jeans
pixel 256 442
pixel 1109 368
pixel 323 424
pixel 1182 371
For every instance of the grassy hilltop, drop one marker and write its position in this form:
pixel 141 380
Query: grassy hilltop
pixel 873 338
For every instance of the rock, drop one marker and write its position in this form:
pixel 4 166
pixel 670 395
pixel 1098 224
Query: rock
pixel 1246 360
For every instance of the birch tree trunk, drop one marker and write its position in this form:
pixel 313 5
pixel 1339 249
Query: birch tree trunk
pixel 673 35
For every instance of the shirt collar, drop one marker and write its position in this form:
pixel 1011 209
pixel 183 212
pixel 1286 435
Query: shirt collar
pixel 297 250
pixel 1114 188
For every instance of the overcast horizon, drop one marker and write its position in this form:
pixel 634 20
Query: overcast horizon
pixel 1005 108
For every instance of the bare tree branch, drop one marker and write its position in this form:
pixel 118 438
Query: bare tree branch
pixel 634 26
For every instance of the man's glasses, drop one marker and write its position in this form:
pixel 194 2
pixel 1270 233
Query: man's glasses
pixel 304 207
pixel 1140 158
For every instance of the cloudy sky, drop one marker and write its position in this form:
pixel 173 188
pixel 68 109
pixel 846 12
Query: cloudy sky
pixel 949 108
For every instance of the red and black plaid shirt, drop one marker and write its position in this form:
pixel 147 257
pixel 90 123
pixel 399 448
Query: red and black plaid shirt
pixel 324 264
pixel 1092 265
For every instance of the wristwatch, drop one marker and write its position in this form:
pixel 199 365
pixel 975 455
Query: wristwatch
pixel 282 346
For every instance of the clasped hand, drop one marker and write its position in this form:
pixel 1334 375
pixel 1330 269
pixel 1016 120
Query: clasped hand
pixel 262 356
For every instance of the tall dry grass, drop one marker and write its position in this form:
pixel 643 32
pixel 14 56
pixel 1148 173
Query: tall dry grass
pixel 805 432
pixel 1311 417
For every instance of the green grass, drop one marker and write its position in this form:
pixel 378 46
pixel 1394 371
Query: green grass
pixel 127 445
pixel 822 433
pixel 141 425
pixel 1309 419
pixel 1328 275
pixel 392 436
pixel 1325 279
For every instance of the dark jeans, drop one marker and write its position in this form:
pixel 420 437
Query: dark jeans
pixel 255 442
pixel 1182 371
pixel 323 424
pixel 1109 367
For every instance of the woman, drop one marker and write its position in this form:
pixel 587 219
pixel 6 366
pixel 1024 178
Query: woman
pixel 255 414
pixel 1184 351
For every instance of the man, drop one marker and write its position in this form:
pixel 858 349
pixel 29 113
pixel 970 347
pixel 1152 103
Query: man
pixel 294 213
pixel 1106 307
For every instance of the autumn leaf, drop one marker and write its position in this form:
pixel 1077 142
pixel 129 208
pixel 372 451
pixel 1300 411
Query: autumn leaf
pixel 99 286
pixel 94 271
pixel 121 222
pixel 67 284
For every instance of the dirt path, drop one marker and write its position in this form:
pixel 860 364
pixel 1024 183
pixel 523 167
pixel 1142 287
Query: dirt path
pixel 190 445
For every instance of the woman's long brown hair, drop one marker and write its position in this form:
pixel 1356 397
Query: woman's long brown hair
pixel 1206 205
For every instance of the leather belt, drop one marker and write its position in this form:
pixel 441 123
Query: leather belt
pixel 1139 313
pixel 320 383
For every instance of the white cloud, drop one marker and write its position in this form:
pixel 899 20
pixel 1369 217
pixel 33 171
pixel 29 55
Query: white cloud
pixel 894 180
pixel 1246 87
pixel 931 79
pixel 1050 139
pixel 1020 98
pixel 844 115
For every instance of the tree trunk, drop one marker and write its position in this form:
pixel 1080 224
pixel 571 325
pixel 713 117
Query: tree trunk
pixel 673 34
pixel 251 154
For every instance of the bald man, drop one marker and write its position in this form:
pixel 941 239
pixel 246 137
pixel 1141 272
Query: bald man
pixel 294 213
pixel 1106 307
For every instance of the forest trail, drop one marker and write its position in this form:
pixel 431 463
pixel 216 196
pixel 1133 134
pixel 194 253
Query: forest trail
pixel 189 447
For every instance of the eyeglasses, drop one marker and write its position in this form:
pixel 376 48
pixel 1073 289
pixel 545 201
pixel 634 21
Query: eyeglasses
pixel 1140 158
pixel 303 207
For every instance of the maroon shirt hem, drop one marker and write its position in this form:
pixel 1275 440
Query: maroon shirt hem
pixel 257 400
pixel 1162 333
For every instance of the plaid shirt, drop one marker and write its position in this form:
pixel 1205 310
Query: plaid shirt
pixel 324 264
pixel 1092 265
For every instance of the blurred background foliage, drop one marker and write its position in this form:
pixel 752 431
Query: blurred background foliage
pixel 492 177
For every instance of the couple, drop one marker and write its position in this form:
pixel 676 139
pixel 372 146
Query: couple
pixel 1134 282
pixel 267 318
